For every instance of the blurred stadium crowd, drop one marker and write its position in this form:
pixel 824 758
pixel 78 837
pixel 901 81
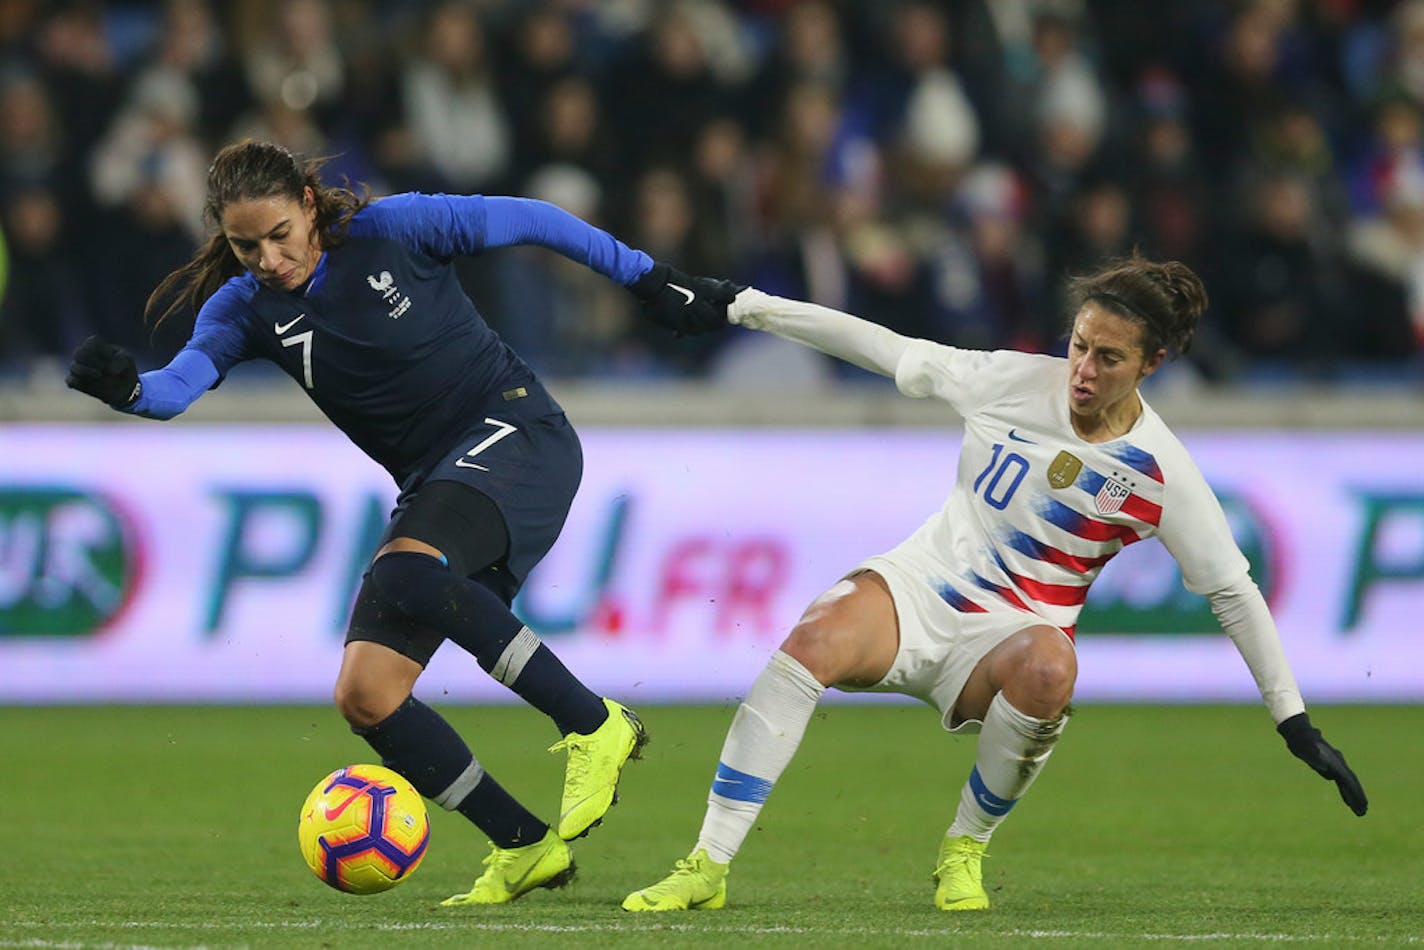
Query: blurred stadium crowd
pixel 935 166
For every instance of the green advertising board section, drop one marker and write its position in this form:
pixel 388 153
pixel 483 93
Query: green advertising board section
pixel 67 564
pixel 1141 591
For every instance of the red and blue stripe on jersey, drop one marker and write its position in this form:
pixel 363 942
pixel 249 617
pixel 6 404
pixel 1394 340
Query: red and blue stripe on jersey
pixel 1045 566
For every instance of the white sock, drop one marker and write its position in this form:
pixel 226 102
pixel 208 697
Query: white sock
pixel 1012 750
pixel 765 732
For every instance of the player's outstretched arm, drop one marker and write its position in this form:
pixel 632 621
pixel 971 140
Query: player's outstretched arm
pixel 1307 744
pixel 1243 614
pixel 448 225
pixel 865 344
pixel 685 304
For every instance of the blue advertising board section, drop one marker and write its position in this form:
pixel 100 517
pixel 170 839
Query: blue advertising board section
pixel 144 563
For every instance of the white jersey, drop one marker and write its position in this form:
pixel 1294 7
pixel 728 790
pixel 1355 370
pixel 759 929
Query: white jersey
pixel 1035 511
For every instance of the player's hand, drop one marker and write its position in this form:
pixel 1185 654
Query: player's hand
pixel 1307 744
pixel 104 371
pixel 684 304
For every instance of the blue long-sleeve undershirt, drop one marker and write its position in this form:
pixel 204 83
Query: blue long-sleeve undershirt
pixel 511 221
pixel 175 387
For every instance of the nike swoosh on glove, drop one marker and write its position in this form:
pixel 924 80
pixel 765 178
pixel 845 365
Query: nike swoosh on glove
pixel 682 303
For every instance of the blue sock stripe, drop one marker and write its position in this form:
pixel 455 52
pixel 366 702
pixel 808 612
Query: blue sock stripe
pixel 991 803
pixel 740 786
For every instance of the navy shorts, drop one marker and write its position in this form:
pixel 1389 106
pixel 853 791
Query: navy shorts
pixel 529 467
pixel 530 470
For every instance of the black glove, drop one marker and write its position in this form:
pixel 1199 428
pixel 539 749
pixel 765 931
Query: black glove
pixel 684 304
pixel 1307 744
pixel 106 372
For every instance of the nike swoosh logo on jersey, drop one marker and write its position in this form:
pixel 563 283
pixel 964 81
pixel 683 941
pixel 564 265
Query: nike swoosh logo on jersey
pixel 1015 437
pixel 284 327
pixel 685 292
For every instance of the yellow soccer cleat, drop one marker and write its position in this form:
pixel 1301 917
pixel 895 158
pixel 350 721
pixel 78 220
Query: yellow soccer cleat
pixel 510 873
pixel 697 883
pixel 595 761
pixel 961 880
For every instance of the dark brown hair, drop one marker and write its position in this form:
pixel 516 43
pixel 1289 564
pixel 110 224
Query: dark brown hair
pixel 1166 298
pixel 240 172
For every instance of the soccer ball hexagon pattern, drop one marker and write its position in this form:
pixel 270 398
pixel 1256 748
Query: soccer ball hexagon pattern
pixel 363 829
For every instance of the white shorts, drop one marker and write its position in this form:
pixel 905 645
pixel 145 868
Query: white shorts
pixel 939 646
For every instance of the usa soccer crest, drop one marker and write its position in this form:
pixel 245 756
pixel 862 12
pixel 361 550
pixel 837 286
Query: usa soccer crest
pixel 1111 496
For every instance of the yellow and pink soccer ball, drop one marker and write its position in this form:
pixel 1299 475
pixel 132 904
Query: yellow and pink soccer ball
pixel 363 829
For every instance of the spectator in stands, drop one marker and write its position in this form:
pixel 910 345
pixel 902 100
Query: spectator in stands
pixel 1389 247
pixel 662 91
pixel 809 46
pixel 452 106
pixel 1171 196
pixel 295 58
pixel 31 132
pixel 151 145
pixel 1281 294
pixel 541 56
pixel 82 78
pixel 937 137
pixel 1239 90
pixel 190 44
pixel 42 312
pixel 986 268
pixel 1069 112
pixel 566 128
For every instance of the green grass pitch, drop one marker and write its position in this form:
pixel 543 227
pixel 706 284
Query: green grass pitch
pixel 176 827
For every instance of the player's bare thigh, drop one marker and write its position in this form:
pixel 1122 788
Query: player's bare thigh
pixel 1035 669
pixel 848 635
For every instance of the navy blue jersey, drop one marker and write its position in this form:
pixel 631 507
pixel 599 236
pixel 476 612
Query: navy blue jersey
pixel 383 338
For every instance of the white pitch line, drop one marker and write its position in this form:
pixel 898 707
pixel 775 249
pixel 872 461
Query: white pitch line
pixel 660 926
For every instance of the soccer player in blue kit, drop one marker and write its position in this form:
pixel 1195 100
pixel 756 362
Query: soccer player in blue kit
pixel 356 301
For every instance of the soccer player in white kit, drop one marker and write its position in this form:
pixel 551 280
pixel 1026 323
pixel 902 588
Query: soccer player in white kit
pixel 1062 465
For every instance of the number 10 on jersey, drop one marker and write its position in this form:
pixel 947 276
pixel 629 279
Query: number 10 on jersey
pixel 1008 473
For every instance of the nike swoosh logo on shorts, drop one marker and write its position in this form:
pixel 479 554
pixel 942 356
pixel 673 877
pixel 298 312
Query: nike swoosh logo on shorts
pixel 685 292
pixel 284 327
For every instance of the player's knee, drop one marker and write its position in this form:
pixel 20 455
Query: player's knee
pixel 404 578
pixel 363 703
pixel 821 648
pixel 1041 683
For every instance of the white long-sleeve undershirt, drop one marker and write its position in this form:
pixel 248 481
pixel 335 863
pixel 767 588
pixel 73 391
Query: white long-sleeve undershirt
pixel 865 344
pixel 1243 614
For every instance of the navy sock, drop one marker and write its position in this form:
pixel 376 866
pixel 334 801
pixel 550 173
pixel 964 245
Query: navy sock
pixel 540 683
pixel 476 619
pixel 496 812
pixel 418 743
